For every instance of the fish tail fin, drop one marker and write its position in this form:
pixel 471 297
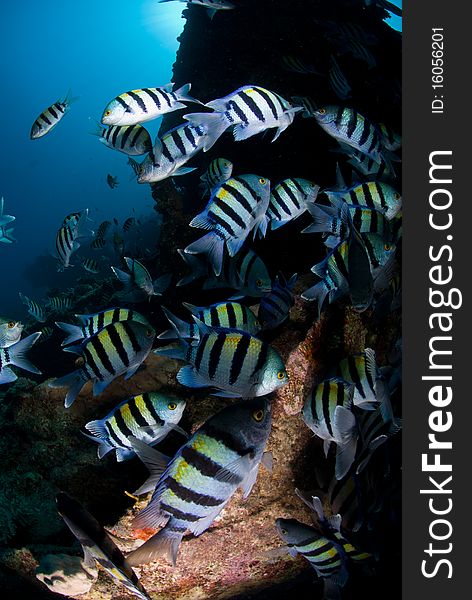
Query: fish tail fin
pixel 322 219
pixel 173 351
pixel 183 94
pixel 318 292
pixel 214 123
pixel 161 284
pixel 74 381
pixel 180 328
pixel 8 237
pixel 212 245
pixel 103 446
pixel 17 353
pixel 69 99
pixel 74 332
pixel 165 543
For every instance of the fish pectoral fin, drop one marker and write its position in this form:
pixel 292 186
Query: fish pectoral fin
pixel 237 468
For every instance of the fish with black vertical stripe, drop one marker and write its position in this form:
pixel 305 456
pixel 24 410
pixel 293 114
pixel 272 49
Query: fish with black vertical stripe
pixel 50 117
pixel 118 349
pixel 228 315
pixel 352 128
pixel 218 170
pixel 327 411
pixel 376 195
pixel 14 355
pixel 170 153
pixel 275 307
pixel 138 106
pixel 132 140
pixel 361 370
pixel 234 362
pixel 235 209
pixel 97 545
pixel 92 324
pixel 193 488
pixel 289 199
pixel 149 417
pixel 249 110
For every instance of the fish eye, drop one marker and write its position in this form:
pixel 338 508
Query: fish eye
pixel 107 113
pixel 259 282
pixel 149 332
pixel 387 247
pixel 396 195
pixel 172 406
pixel 322 111
pixel 258 415
pixel 284 531
pixel 262 181
pixel 11 324
pixel 281 375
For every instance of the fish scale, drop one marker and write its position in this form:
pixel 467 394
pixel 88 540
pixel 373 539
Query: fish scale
pixel 222 455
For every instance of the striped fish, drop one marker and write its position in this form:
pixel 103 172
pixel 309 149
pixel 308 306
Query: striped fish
pixel 232 361
pixel 327 411
pixel 219 170
pixel 66 245
pixel 307 105
pixel 132 140
pixel 134 165
pixel 170 152
pixel 138 106
pixel 222 455
pixel 376 426
pixel 371 194
pixel 249 110
pixel 10 332
pixel 344 497
pixel 235 208
pixel 60 303
pixel 129 224
pixel 324 555
pixel 245 272
pixel 92 324
pixel 336 221
pixel 296 65
pixel 226 315
pixel 15 356
pixel 289 199
pixel 361 370
pixel 50 117
pixel 338 81
pixel 333 272
pixel 351 128
pixel 274 308
pixel 97 545
pixel 103 228
pixel 116 350
pixel 91 265
pixel 46 333
pixel 391 140
pixel 34 309
pixel 149 417
pixel 98 243
pixel 381 255
pixel 331 527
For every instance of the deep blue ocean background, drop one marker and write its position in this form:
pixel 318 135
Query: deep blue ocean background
pixel 96 50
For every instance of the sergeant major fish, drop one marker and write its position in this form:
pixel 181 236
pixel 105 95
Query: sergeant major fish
pixel 116 350
pixel 227 315
pixel 10 332
pixel 327 411
pixel 249 110
pixel 149 417
pixel 361 370
pixel 218 171
pixel 50 117
pixel 97 545
pixel 234 209
pixel 92 324
pixel 132 140
pixel 275 307
pixel 138 106
pixel 222 455
pixel 371 194
pixel 170 152
pixel 289 199
pixel 14 355
pixel 34 309
pixel 138 282
pixel 232 361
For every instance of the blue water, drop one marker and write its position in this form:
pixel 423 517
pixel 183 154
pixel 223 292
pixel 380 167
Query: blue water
pixel 98 50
